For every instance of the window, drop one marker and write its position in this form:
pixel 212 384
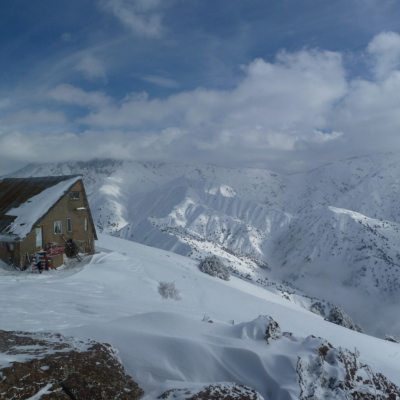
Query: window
pixel 69 225
pixel 57 227
pixel 39 238
pixel 86 224
pixel 74 195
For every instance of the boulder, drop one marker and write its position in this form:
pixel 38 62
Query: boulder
pixel 273 331
pixel 52 366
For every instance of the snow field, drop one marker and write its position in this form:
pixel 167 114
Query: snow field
pixel 162 343
pixel 332 232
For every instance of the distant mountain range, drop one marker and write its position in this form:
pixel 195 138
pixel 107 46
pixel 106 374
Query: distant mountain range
pixel 332 232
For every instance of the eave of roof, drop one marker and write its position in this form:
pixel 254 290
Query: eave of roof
pixel 86 202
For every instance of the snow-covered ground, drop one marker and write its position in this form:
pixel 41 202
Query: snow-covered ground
pixel 166 343
pixel 333 233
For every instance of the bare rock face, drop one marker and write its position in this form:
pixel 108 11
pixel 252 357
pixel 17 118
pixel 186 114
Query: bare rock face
pixel 52 366
pixel 273 331
pixel 216 391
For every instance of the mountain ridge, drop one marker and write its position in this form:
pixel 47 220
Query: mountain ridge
pixel 338 223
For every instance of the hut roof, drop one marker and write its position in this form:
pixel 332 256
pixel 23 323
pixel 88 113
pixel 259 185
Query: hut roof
pixel 25 201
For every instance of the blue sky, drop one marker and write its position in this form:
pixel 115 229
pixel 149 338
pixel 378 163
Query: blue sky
pixel 285 85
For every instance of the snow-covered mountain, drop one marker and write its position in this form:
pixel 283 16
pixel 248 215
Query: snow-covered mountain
pixel 332 232
pixel 190 210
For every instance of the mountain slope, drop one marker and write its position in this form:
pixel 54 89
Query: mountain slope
pixel 166 344
pixel 144 201
pixel 331 232
pixel 369 185
pixel 338 238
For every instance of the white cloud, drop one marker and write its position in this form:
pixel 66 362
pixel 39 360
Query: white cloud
pixel 66 37
pixel 161 81
pixel 38 117
pixel 322 137
pixel 72 95
pixel 272 108
pixel 296 112
pixel 146 5
pixel 17 146
pixel 91 67
pixel 280 110
pixel 385 52
pixel 5 102
pixel 169 135
pixel 140 16
pixel 369 114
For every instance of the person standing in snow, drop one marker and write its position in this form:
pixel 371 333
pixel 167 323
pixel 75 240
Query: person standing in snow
pixel 46 262
pixel 38 262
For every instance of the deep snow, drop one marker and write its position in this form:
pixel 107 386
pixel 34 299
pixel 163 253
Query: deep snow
pixel 114 299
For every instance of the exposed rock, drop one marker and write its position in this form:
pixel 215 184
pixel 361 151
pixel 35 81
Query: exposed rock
pixel 273 331
pixel 392 338
pixel 339 317
pixel 52 366
pixel 338 374
pixel 324 372
pixel 216 391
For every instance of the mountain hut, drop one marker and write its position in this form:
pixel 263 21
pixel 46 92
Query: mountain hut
pixel 44 214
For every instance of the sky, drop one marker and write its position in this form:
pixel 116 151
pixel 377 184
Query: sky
pixel 286 85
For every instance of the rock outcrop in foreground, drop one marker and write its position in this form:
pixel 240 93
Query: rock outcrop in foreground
pixel 217 391
pixel 52 366
pixel 339 374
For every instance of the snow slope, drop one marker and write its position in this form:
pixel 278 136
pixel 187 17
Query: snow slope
pixel 341 238
pixel 164 343
pixel 332 232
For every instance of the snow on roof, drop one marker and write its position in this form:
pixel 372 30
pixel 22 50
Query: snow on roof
pixel 24 201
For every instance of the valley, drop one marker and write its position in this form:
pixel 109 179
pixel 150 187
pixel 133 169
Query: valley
pixel 328 231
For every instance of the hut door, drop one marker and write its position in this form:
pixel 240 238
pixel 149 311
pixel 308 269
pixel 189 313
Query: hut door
pixel 39 238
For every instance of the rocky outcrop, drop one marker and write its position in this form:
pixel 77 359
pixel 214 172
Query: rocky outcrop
pixel 333 373
pixel 52 366
pixel 216 391
pixel 392 338
pixel 273 331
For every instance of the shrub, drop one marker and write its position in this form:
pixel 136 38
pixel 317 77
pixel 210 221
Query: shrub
pixel 213 266
pixel 339 317
pixel 207 318
pixel 168 290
